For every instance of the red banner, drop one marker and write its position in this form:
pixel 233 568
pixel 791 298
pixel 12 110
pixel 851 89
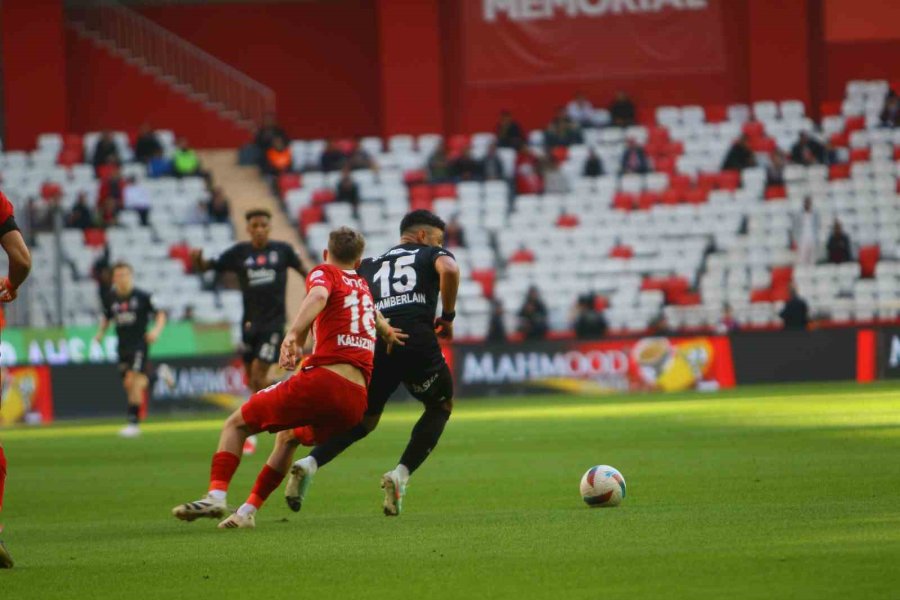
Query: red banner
pixel 533 41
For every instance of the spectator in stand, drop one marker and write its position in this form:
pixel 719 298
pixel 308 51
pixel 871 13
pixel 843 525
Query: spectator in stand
pixel 185 161
pixel 555 181
pixel 80 217
pixel 838 246
pixel 588 322
pixel 805 233
pixel 101 272
pixel 562 131
pixel 268 132
pixel 533 316
pixel 347 190
pixel 727 324
pixel 740 156
pixel 492 166
pixel 159 166
pixel 496 333
pixel 278 158
pixel 621 111
pixel 439 168
pixel 808 151
pixel 137 198
pixel 521 256
pixel 454 235
pixel 466 168
pixel 108 213
pixel 580 110
pixel 188 316
pixel 332 158
pixel 509 132
pixel 147 145
pixel 105 150
pixel 359 159
pixel 890 116
pixel 593 166
pixel 111 184
pixel 199 215
pixel 634 159
pixel 775 168
pixel 218 207
pixel 795 314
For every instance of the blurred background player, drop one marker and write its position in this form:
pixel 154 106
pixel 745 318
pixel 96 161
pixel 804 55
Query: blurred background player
pixel 405 282
pixel 327 395
pixel 19 266
pixel 261 266
pixel 131 309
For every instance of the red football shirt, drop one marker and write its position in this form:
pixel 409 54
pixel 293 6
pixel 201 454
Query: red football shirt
pixel 345 329
pixel 6 208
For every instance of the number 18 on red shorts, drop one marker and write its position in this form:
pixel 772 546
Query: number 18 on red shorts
pixel 314 397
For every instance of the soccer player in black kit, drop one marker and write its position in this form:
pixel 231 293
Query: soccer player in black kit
pixel 405 282
pixel 130 310
pixel 262 267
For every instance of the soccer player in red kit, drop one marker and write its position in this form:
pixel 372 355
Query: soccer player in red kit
pixel 19 266
pixel 328 393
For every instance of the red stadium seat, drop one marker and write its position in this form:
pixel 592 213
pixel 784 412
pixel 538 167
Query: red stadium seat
pixel 665 164
pixel 415 176
pixel 860 155
pixel 648 200
pixel 868 258
pixel 346 145
pixel 840 140
pixel 443 190
pixel 95 238
pixel 854 123
pixel 754 129
pixel 309 216
pixel 715 113
pixel 457 143
pixel 763 144
pixel 69 157
pixel 830 108
pixel 680 182
pixel 288 182
pixel 782 275
pixel 708 181
pixel 675 148
pixel 487 278
pixel 897 152
pixel 624 201
pixel 841 171
pixel 671 196
pixel 685 298
pixel 696 195
pixel 560 153
pixel 621 251
pixel 763 295
pixel 323 196
pixel 567 220
pixel 776 192
pixel 729 180
pixel 521 256
pixel 421 203
pixel 657 135
pixel 601 303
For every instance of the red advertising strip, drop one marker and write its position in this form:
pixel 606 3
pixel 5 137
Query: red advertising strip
pixel 865 355
pixel 531 41
pixel 27 395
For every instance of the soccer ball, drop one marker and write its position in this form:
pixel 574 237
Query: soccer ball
pixel 602 486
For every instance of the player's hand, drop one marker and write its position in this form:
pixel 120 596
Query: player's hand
pixel 394 337
pixel 197 259
pixel 151 337
pixel 291 352
pixel 7 292
pixel 443 329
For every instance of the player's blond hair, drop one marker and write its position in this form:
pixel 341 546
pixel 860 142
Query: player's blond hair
pixel 346 245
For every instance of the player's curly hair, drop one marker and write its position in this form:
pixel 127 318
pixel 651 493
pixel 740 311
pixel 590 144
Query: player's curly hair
pixel 346 245
pixel 257 212
pixel 419 218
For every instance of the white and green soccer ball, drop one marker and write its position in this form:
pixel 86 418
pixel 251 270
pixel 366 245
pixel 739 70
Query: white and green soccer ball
pixel 602 486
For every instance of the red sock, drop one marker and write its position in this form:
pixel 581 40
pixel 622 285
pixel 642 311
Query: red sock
pixel 2 475
pixel 267 482
pixel 305 435
pixel 224 464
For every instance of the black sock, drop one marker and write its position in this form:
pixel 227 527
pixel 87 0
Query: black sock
pixel 424 438
pixel 134 414
pixel 337 444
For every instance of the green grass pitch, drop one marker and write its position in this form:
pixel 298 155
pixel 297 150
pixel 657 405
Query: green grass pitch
pixel 775 492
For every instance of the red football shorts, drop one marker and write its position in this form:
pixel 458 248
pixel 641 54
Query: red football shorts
pixel 314 397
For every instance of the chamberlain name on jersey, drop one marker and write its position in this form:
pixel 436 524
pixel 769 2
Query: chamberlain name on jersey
pixel 406 285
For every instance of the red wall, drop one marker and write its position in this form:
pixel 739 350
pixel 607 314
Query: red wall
pixel 779 39
pixel 105 92
pixel 476 108
pixel 320 58
pixel 34 90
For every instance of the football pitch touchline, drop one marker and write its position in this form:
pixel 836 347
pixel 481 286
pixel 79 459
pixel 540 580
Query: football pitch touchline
pixel 864 408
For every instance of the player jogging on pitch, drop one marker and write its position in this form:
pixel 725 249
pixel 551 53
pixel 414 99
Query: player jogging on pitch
pixel 405 282
pixel 19 266
pixel 261 266
pixel 328 393
pixel 130 310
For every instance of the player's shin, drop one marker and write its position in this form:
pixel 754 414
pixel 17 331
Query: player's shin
pixel 326 452
pixel 267 482
pixel 424 438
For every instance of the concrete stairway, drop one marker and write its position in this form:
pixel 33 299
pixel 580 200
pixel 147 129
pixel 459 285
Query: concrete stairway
pixel 246 189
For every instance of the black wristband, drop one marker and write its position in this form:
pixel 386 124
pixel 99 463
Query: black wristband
pixel 445 316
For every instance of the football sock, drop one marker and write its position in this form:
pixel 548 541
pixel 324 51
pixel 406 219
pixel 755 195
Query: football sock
pixel 309 464
pixel 134 414
pixel 246 509
pixel 267 482
pixel 337 444
pixel 2 475
pixel 224 464
pixel 424 437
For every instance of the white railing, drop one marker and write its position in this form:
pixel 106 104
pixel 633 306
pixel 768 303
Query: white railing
pixel 171 56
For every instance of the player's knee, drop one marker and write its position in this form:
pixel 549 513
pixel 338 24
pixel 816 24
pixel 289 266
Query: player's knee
pixel 286 438
pixel 235 420
pixel 447 405
pixel 370 422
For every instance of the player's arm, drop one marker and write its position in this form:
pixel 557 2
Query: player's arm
pixel 390 335
pixel 158 326
pixel 101 330
pixel 448 273
pixel 200 263
pixel 312 306
pixel 19 261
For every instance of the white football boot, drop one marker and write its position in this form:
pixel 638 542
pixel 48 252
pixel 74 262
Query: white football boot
pixel 130 431
pixel 237 521
pixel 207 507
pixel 297 485
pixel 394 489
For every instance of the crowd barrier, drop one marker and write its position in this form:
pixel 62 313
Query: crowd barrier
pixel 76 387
